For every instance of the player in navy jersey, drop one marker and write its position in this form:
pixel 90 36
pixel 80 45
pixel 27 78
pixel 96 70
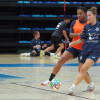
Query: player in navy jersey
pixel 35 45
pixel 56 37
pixel 91 49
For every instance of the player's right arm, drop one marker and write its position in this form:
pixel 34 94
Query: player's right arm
pixel 65 35
pixel 77 34
pixel 76 42
pixel 83 37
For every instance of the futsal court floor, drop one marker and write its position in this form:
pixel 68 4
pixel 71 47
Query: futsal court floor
pixel 21 77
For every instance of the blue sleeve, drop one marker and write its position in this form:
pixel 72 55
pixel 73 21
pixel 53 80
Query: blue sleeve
pixel 84 36
pixel 72 25
pixel 32 42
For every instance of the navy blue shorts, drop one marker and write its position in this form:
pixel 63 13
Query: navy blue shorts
pixel 35 54
pixel 94 56
pixel 74 52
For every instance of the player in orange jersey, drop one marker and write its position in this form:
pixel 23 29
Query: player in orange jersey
pixel 76 29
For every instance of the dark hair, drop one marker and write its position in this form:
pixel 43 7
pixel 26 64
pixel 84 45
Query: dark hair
pixel 35 33
pixel 67 17
pixel 93 10
pixel 82 7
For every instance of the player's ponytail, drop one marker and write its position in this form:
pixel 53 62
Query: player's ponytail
pixel 93 10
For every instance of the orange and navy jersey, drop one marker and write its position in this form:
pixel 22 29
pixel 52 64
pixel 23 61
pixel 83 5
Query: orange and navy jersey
pixel 76 27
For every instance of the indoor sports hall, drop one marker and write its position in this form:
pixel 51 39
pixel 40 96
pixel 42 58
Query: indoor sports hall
pixel 21 73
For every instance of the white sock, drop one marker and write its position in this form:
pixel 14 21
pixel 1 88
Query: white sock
pixel 91 84
pixel 51 54
pixel 73 86
pixel 27 54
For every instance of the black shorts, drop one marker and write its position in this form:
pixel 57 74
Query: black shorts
pixel 56 40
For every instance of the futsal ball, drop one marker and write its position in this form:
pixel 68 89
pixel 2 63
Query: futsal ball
pixel 55 84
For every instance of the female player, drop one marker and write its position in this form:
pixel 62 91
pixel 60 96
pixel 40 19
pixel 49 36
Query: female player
pixel 91 48
pixel 35 45
pixel 75 32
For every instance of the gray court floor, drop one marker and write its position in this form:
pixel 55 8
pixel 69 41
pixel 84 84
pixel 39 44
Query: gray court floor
pixel 21 77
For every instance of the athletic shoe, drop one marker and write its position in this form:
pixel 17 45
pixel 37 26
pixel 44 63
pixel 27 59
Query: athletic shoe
pixel 90 88
pixel 71 91
pixel 46 82
pixel 41 53
pixel 56 56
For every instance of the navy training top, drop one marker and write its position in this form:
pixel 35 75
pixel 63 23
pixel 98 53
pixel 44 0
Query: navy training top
pixel 92 38
pixel 35 42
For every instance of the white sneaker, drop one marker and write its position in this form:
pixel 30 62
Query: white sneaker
pixel 90 88
pixel 72 90
pixel 46 82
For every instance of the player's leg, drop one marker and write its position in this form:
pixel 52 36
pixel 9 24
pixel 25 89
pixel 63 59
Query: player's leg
pixel 49 48
pixel 87 79
pixel 58 41
pixel 81 58
pixel 52 46
pixel 88 63
pixel 42 53
pixel 65 57
pixel 83 71
pixel 61 47
pixel 25 54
